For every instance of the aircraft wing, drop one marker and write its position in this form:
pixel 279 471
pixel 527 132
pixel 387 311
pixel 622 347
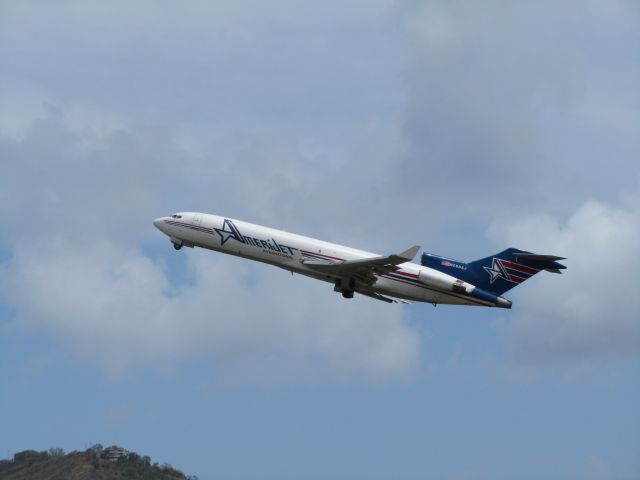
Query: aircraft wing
pixel 364 269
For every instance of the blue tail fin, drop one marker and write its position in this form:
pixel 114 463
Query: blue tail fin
pixel 497 273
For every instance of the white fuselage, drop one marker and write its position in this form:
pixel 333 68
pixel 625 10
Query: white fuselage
pixel 288 251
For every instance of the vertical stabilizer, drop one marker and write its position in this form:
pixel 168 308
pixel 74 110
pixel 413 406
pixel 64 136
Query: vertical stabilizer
pixel 497 273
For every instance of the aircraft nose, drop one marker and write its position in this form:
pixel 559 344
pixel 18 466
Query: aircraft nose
pixel 158 223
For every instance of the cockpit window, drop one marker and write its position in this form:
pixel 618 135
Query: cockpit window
pixel 175 215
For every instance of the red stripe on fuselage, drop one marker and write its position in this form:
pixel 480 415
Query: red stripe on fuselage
pixel 406 274
pixel 188 225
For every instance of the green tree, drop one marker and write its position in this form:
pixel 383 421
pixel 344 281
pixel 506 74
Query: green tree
pixel 56 452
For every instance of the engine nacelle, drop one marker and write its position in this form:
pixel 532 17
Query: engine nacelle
pixel 448 283
pixel 442 281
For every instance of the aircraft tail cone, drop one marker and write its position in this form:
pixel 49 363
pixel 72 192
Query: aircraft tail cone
pixel 503 303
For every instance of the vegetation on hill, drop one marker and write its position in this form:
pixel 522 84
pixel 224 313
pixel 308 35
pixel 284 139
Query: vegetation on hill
pixel 95 463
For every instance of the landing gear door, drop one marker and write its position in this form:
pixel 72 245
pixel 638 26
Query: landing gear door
pixel 197 218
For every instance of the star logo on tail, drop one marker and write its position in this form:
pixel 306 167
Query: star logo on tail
pixel 497 271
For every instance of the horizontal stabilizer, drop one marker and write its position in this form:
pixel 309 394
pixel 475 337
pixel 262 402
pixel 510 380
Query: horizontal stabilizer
pixel 540 258
pixel 553 270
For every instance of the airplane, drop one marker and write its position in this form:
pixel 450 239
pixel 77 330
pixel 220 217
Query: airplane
pixel 390 278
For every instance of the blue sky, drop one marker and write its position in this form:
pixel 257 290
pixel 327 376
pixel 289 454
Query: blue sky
pixel 460 126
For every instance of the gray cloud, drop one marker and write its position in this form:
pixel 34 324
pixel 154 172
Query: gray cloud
pixel 530 106
pixel 204 62
pixel 240 85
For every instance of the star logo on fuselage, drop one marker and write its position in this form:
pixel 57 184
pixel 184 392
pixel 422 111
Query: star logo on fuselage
pixel 497 271
pixel 228 231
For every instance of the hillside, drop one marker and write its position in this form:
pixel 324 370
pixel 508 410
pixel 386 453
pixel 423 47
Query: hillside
pixel 95 463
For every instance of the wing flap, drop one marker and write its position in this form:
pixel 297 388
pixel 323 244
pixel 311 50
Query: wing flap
pixel 384 298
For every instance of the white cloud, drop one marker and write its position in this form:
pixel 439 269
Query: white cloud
pixel 593 308
pixel 117 308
